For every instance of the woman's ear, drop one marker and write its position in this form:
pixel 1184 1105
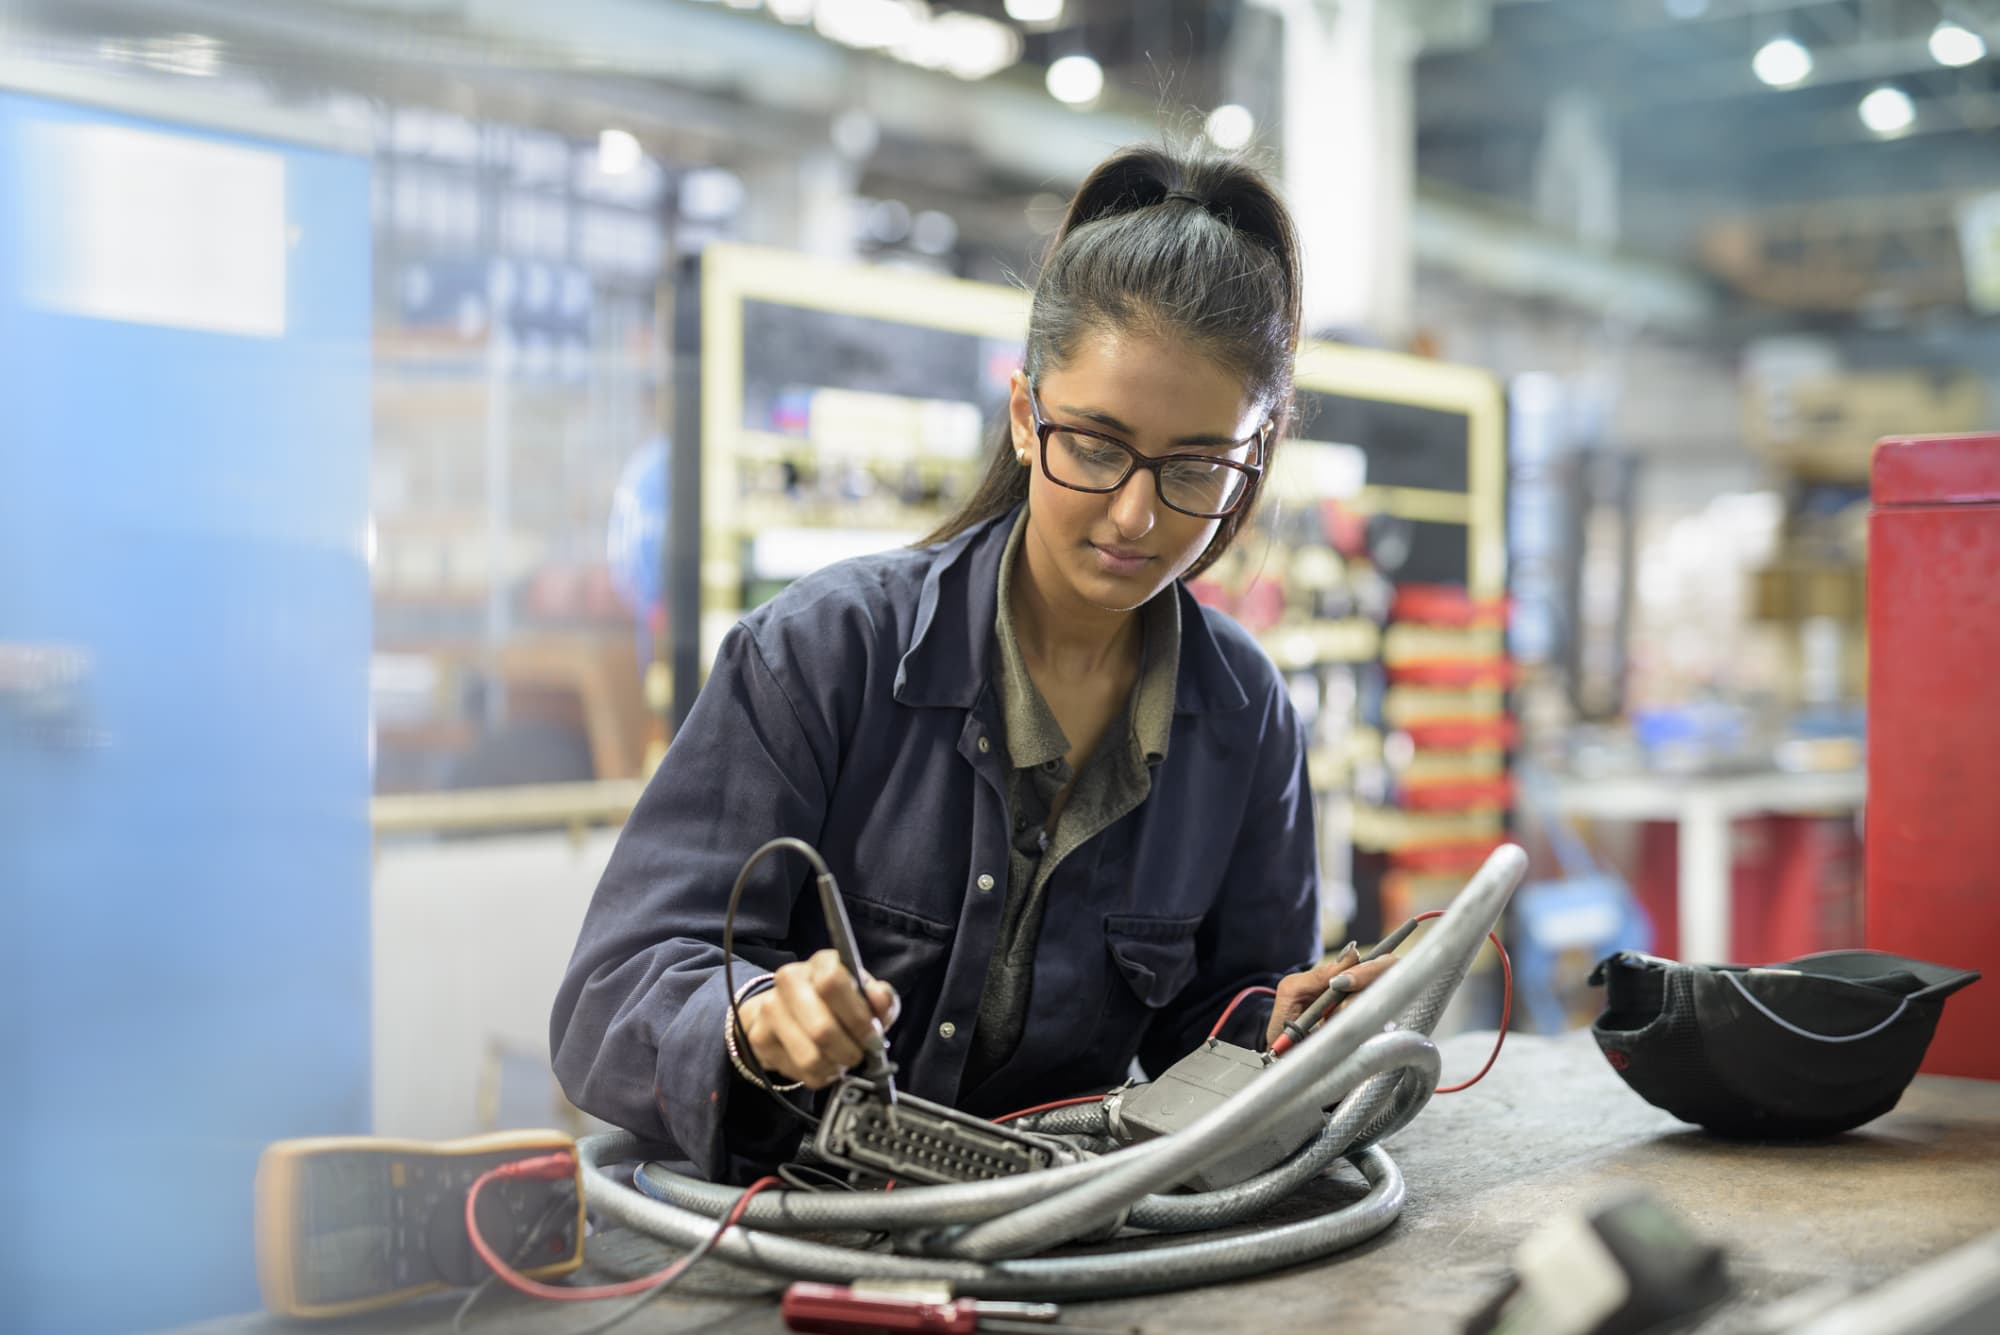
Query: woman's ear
pixel 1020 418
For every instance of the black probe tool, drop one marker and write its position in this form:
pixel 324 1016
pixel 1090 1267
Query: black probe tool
pixel 876 1067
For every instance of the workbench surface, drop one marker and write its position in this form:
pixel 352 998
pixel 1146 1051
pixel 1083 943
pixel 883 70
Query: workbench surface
pixel 1550 1130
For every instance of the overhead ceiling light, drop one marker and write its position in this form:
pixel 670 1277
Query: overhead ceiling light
pixel 1076 80
pixel 618 152
pixel 856 133
pixel 1230 126
pixel 1956 46
pixel 711 192
pixel 1034 11
pixel 933 233
pixel 887 221
pixel 1686 9
pixel 1888 110
pixel 866 24
pixel 1045 211
pixel 1782 62
pixel 184 53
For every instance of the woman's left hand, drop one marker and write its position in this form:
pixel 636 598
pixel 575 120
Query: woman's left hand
pixel 1297 991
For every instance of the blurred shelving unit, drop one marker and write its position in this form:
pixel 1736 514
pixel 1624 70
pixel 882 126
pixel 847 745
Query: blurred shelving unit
pixel 515 360
pixel 1377 582
pixel 1817 432
pixel 839 410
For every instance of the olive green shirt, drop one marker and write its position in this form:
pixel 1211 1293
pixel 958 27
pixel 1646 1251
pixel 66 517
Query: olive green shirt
pixel 1116 778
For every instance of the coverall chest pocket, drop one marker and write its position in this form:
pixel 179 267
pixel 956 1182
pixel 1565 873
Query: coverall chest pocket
pixel 905 949
pixel 1155 956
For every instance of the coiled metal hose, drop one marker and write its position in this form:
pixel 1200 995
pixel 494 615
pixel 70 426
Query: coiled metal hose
pixel 1373 1056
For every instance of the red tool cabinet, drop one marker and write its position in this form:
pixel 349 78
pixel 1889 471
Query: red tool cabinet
pixel 1933 836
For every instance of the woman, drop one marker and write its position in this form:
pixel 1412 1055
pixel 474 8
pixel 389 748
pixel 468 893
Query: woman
pixel 1066 805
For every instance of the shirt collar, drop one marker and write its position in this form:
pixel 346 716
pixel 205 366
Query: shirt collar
pixel 1159 675
pixel 1033 735
pixel 950 658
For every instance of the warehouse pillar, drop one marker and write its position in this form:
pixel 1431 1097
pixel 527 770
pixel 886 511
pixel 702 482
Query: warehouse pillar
pixel 1349 144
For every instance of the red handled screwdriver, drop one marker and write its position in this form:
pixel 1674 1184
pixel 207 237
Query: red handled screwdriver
pixel 831 1309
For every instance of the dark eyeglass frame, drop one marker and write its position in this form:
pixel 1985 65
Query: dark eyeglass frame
pixel 1135 461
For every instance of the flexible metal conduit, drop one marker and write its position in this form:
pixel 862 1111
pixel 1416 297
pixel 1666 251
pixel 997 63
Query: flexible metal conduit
pixel 1445 953
pixel 928 1208
pixel 1185 1213
pixel 1105 1274
pixel 1373 1051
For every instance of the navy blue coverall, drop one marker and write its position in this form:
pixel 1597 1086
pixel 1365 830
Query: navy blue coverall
pixel 856 711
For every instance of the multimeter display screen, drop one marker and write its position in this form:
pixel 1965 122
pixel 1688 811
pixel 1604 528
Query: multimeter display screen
pixel 348 1247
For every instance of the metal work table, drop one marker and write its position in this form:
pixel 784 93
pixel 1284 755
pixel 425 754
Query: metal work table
pixel 1552 1129
pixel 1703 806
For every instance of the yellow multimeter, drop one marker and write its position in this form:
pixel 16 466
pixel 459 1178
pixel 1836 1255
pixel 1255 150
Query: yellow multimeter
pixel 348 1224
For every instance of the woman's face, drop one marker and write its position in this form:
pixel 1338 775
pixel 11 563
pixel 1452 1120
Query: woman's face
pixel 1111 552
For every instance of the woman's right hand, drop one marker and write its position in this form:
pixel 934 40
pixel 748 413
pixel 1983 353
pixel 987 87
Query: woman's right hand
pixel 810 1025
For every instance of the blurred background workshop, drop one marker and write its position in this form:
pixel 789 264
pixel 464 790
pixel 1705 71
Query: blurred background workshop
pixel 401 399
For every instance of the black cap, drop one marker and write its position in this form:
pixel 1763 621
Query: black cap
pixel 1809 1047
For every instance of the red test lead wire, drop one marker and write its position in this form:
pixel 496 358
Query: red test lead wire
pixel 1238 1000
pixel 554 1167
pixel 1227 1012
pixel 1506 1011
pixel 1046 1107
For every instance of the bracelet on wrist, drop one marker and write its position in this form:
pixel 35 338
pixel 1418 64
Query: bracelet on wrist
pixel 761 983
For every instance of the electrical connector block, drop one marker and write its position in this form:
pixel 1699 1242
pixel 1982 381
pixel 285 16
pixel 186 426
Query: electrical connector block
pixel 1196 1085
pixel 915 1140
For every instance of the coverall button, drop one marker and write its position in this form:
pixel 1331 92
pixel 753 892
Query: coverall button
pixel 947 1029
pixel 985 881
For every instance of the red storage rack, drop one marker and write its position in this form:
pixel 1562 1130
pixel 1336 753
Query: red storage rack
pixel 1933 839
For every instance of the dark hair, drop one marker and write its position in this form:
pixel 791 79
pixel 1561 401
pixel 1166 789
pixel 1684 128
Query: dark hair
pixel 1174 244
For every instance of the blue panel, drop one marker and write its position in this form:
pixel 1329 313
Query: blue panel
pixel 184 845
